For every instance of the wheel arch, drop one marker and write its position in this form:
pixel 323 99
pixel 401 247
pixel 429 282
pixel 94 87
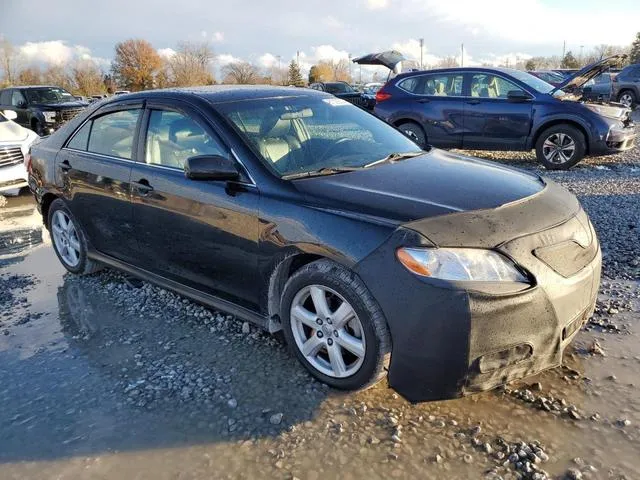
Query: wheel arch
pixel 562 121
pixel 45 203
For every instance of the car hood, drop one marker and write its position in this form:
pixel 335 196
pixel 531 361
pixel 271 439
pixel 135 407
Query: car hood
pixel 60 105
pixel 11 132
pixel 434 184
pixel 578 79
pixel 389 59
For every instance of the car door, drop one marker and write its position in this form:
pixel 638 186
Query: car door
pixel 436 101
pixel 19 105
pixel 491 120
pixel 203 234
pixel 95 168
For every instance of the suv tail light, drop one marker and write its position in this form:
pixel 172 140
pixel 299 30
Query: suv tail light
pixel 381 95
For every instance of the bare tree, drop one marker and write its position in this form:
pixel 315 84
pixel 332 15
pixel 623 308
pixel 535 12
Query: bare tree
pixel 8 62
pixel 30 76
pixel 192 64
pixel 88 78
pixel 448 62
pixel 136 64
pixel 59 76
pixel 240 72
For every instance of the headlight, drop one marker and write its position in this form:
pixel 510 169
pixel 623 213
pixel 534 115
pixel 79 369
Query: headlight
pixel 606 110
pixel 49 117
pixel 463 264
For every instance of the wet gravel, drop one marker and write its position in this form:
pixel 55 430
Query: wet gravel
pixel 107 377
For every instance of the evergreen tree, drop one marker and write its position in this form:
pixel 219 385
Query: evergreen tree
pixel 634 54
pixel 569 61
pixel 295 77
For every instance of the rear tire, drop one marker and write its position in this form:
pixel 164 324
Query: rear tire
pixel 627 98
pixel 69 241
pixel 365 333
pixel 560 147
pixel 414 132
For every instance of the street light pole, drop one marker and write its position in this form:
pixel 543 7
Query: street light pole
pixel 462 55
pixel 421 50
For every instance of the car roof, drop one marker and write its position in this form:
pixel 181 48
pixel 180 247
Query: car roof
pixel 29 87
pixel 506 71
pixel 224 93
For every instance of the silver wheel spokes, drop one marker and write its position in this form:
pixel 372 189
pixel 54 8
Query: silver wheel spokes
pixel 558 148
pixel 626 100
pixel 65 237
pixel 327 331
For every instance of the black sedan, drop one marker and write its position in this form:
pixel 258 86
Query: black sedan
pixel 300 212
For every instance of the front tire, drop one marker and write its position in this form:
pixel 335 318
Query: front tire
pixel 414 132
pixel 334 327
pixel 69 241
pixel 560 147
pixel 627 98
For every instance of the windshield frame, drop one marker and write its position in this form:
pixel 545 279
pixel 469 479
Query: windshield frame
pixel 224 112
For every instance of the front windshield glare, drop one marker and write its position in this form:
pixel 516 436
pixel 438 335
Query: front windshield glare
pixel 48 95
pixel 536 83
pixel 309 133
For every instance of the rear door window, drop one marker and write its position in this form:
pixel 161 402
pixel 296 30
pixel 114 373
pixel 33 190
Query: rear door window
pixel 5 97
pixel 485 85
pixel 112 134
pixel 437 85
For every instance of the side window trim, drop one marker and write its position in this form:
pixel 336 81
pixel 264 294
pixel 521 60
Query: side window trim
pixel 200 119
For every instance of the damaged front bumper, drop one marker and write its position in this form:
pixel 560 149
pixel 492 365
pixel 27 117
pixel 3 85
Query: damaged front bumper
pixel 451 340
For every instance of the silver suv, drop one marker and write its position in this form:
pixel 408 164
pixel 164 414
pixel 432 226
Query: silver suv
pixel 626 86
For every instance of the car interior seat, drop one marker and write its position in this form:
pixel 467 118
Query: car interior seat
pixel 278 140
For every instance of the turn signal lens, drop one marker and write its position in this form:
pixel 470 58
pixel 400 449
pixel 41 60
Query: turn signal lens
pixel 460 264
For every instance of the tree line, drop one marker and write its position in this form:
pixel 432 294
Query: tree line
pixel 137 65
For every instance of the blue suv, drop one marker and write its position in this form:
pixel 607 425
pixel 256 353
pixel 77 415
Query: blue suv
pixel 505 109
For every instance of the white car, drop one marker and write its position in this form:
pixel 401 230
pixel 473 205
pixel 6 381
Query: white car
pixel 14 145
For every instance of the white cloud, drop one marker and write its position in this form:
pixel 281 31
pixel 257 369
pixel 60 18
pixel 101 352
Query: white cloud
pixel 57 52
pixel 218 36
pixel 328 53
pixel 377 4
pixel 268 60
pixel 166 52
pixel 411 50
pixel 226 58
pixel 332 22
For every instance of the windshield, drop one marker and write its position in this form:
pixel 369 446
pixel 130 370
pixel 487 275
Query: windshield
pixel 338 88
pixel 307 133
pixel 48 95
pixel 536 83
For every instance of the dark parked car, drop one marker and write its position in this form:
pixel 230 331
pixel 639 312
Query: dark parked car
pixel 43 109
pixel 626 86
pixel 303 213
pixel 599 89
pixel 549 76
pixel 346 92
pixel 504 109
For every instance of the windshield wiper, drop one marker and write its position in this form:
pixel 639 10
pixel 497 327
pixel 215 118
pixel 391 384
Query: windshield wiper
pixel 393 157
pixel 320 172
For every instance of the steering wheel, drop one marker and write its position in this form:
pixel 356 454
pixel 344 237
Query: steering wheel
pixel 329 150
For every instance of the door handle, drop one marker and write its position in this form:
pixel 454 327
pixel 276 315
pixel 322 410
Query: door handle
pixel 473 102
pixel 423 100
pixel 65 166
pixel 142 186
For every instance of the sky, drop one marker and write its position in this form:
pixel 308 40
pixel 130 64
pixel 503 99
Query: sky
pixel 261 30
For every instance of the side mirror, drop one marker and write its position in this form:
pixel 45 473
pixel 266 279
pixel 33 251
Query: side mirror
pixel 210 167
pixel 518 96
pixel 10 114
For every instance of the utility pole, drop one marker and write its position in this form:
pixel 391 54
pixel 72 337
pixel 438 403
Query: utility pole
pixel 421 50
pixel 564 47
pixel 298 58
pixel 279 69
pixel 462 55
pixel 581 47
pixel 350 77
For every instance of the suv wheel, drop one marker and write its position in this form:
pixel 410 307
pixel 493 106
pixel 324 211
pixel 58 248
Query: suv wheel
pixel 414 132
pixel 335 327
pixel 627 98
pixel 69 241
pixel 560 147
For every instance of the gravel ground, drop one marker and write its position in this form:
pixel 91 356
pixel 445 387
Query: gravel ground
pixel 106 377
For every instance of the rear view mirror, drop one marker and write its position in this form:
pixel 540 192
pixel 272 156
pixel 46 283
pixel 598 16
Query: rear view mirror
pixel 518 96
pixel 10 114
pixel 210 167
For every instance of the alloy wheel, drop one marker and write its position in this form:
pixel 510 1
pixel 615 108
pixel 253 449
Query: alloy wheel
pixel 65 237
pixel 558 148
pixel 327 331
pixel 626 99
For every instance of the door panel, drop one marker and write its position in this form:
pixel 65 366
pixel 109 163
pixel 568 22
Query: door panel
pixel 95 170
pixel 201 233
pixel 490 120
